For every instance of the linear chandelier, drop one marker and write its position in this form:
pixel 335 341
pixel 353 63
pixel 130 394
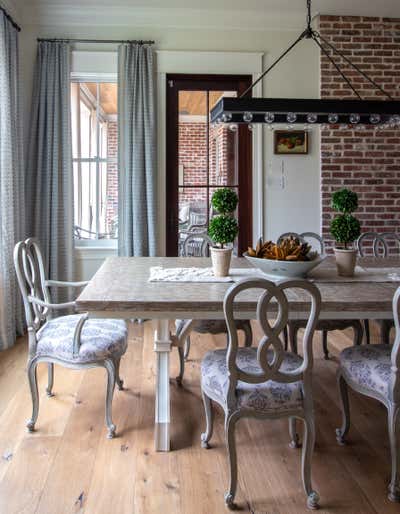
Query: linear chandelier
pixel 358 112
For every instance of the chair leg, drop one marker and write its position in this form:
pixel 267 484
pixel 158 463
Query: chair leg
pixel 286 338
pixel 293 329
pixel 306 457
pixel 366 330
pixel 248 334
pixel 385 331
pixel 35 395
pixel 345 408
pixel 358 333
pixel 119 381
pixel 110 367
pixel 181 353
pixel 230 423
pixel 187 348
pixel 50 379
pixel 294 436
pixel 325 344
pixel 208 408
pixel 394 486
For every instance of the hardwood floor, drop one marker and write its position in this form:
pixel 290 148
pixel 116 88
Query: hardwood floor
pixel 68 466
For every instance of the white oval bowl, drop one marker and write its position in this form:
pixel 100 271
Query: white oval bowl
pixel 284 269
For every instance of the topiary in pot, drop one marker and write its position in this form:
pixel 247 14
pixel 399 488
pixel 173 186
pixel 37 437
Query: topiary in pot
pixel 223 229
pixel 345 229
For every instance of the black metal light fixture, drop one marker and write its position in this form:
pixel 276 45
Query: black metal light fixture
pixel 357 112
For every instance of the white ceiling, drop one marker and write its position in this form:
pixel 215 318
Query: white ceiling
pixel 233 13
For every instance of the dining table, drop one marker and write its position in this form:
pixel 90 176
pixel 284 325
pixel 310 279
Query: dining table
pixel 121 288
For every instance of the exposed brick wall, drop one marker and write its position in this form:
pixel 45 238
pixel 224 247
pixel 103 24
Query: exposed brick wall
pixel 366 161
pixel 112 174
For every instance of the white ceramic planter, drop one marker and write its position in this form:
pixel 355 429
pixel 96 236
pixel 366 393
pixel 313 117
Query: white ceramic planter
pixel 221 261
pixel 345 261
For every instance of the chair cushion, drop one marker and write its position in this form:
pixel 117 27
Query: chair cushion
pixel 368 366
pixel 264 397
pixel 100 338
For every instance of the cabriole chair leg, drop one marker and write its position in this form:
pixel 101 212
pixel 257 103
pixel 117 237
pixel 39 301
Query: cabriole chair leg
pixel 120 382
pixel 179 378
pixel 110 367
pixel 187 348
pixel 394 486
pixel 325 344
pixel 306 456
pixel 294 436
pixel 209 411
pixel 230 424
pixel 345 408
pixel 366 330
pixel 35 395
pixel 50 381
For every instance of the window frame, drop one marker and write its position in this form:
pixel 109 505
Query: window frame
pixel 97 78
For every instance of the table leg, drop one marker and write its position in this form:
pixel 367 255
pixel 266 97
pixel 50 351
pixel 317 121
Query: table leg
pixel 162 347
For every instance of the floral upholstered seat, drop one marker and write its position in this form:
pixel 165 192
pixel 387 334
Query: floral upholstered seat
pixel 368 366
pixel 267 396
pixel 100 338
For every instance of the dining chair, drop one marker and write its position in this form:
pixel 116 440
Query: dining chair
pixel 374 371
pixel 325 326
pixel 264 382
pixel 183 328
pixel 380 245
pixel 72 341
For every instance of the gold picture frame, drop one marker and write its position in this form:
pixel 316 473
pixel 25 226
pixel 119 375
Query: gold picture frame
pixel 291 142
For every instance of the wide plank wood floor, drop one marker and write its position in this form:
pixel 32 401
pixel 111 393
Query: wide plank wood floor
pixel 68 466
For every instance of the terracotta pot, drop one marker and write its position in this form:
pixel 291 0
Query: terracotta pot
pixel 345 261
pixel 221 261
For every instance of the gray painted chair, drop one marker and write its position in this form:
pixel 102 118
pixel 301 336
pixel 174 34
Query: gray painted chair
pixel 373 370
pixel 200 242
pixel 263 382
pixel 381 245
pixel 72 341
pixel 324 326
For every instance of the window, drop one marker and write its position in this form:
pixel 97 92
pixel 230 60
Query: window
pixel 94 144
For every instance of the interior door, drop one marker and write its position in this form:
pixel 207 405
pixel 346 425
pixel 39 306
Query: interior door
pixel 202 157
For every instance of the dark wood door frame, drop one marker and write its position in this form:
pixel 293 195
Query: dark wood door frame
pixel 175 83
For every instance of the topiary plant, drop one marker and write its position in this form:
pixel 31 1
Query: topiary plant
pixel 224 200
pixel 224 228
pixel 345 228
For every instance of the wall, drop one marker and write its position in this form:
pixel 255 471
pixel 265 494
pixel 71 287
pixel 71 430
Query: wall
pixel 297 205
pixel 366 161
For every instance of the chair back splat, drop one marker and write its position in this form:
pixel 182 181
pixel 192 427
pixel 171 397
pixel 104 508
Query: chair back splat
pixel 383 244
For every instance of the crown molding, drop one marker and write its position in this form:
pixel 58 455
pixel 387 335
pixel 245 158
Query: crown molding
pixel 160 17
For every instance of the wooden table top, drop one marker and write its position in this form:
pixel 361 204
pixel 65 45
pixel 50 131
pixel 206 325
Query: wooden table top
pixel 121 288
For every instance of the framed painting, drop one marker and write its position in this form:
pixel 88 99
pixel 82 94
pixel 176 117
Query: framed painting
pixel 291 142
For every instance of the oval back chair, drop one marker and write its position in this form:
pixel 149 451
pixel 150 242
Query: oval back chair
pixel 73 341
pixel 324 326
pixel 197 245
pixel 374 371
pixel 264 382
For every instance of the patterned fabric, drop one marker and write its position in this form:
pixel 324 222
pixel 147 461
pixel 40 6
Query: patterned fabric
pixel 100 338
pixel 269 396
pixel 11 183
pixel 368 366
pixel 49 165
pixel 136 151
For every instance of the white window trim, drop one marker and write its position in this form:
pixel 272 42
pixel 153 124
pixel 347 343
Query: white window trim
pixel 221 63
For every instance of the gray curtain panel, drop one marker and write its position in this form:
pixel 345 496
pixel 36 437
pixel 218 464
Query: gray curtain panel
pixel 136 151
pixel 11 184
pixel 49 175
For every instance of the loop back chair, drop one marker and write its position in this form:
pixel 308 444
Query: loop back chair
pixel 381 245
pixel 324 326
pixel 73 341
pixel 263 382
pixel 374 371
pixel 185 327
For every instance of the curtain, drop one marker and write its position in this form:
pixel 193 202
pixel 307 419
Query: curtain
pixel 11 183
pixel 49 175
pixel 136 151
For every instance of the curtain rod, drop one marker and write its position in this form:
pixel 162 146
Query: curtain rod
pixel 114 41
pixel 10 19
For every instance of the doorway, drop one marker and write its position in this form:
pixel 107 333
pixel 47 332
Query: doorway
pixel 202 157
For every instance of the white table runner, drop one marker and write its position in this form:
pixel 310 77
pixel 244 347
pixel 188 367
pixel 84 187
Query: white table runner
pixel 160 274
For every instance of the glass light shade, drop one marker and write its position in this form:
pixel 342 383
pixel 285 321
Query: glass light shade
pixel 226 117
pixel 291 117
pixel 354 118
pixel 312 117
pixel 375 118
pixel 333 118
pixel 269 117
pixel 247 117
